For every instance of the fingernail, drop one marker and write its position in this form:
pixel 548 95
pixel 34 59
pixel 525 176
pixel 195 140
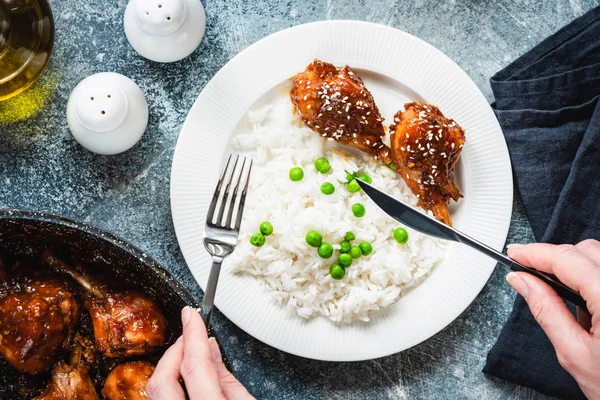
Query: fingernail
pixel 214 349
pixel 512 247
pixel 518 284
pixel 185 315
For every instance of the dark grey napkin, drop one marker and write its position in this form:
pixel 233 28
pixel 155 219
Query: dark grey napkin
pixel 547 103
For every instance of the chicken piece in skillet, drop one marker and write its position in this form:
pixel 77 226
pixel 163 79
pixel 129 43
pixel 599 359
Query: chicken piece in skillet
pixel 37 320
pixel 84 352
pixel 125 323
pixel 335 103
pixel 72 381
pixel 426 147
pixel 69 383
pixel 128 381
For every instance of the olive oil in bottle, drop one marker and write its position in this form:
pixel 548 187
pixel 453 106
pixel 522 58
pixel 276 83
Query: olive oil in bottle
pixel 26 39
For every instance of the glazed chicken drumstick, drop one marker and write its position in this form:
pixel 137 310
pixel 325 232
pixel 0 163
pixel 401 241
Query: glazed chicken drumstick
pixel 128 381
pixel 69 382
pixel 335 103
pixel 426 147
pixel 72 381
pixel 125 323
pixel 37 319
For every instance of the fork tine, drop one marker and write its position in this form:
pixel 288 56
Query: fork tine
pixel 234 196
pixel 211 209
pixel 226 195
pixel 238 219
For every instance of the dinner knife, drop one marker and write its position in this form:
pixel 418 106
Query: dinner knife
pixel 421 222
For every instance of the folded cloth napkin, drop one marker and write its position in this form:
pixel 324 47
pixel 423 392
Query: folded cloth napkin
pixel 547 103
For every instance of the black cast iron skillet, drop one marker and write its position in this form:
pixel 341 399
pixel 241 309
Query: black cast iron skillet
pixel 28 233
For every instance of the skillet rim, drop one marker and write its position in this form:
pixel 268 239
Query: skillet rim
pixel 14 214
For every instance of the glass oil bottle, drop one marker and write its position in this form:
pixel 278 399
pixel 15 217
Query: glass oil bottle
pixel 26 40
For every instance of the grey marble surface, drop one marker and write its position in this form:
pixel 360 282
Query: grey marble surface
pixel 43 168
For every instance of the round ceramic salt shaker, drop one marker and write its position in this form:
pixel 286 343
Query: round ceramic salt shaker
pixel 164 30
pixel 107 113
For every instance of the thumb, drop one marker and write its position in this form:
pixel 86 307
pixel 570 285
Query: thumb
pixel 551 312
pixel 231 387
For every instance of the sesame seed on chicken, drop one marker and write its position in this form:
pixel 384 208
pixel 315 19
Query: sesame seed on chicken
pixel 335 103
pixel 425 148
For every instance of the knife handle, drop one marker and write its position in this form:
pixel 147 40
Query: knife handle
pixel 561 289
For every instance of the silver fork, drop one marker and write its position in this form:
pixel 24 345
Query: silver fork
pixel 220 236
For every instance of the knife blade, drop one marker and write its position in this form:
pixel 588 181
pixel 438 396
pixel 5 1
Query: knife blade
pixel 423 223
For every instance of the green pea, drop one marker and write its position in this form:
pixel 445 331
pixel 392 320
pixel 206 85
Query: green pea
pixel 296 174
pixel 349 176
pixel 355 252
pixel 266 228
pixel 337 272
pixel 345 246
pixel 345 260
pixel 365 248
pixel 401 235
pixel 349 236
pixel 392 166
pixel 258 239
pixel 358 210
pixel 314 238
pixel 353 186
pixel 325 250
pixel 327 188
pixel 366 178
pixel 322 165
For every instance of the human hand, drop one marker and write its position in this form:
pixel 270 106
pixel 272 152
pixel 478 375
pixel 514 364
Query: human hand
pixel 197 360
pixel 578 266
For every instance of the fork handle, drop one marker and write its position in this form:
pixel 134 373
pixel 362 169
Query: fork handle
pixel 206 313
pixel 208 302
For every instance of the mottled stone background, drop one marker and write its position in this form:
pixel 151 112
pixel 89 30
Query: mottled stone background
pixel 43 168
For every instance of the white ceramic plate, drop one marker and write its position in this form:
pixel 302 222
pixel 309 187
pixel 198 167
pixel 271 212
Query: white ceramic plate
pixel 396 67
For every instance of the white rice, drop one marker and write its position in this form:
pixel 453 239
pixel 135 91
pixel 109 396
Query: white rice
pixel 291 271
